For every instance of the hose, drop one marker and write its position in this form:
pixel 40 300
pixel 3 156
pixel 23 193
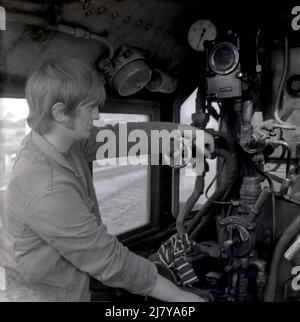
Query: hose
pixel 210 185
pixel 281 157
pixel 75 32
pixel 231 174
pixel 271 184
pixel 200 98
pixel 287 236
pixel 283 124
pixel 197 192
pixel 200 118
pixel 28 6
pixel 288 157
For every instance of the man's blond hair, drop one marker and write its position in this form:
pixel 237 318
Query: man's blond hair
pixel 65 80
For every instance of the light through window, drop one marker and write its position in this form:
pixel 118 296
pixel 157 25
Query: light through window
pixel 13 128
pixel 122 190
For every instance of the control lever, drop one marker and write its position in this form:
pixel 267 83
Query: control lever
pixel 293 249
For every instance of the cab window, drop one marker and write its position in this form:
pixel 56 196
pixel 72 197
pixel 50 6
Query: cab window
pixel 13 128
pixel 122 190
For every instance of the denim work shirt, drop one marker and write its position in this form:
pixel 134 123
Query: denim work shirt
pixel 54 238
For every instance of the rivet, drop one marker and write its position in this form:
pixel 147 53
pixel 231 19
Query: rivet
pixel 148 26
pixel 158 29
pixel 88 13
pixel 101 10
pixel 126 19
pixel 139 22
pixel 86 4
pixel 115 15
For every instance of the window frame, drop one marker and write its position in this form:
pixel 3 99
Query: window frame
pixel 152 109
pixel 175 208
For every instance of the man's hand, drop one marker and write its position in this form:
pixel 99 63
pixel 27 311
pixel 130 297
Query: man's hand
pixel 188 297
pixel 206 145
pixel 167 291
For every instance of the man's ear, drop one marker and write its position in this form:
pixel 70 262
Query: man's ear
pixel 58 112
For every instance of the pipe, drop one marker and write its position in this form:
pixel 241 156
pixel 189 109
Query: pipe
pixel 283 124
pixel 271 184
pixel 26 19
pixel 247 112
pixel 198 191
pixel 200 98
pixel 289 156
pixel 231 174
pixel 264 195
pixel 75 32
pixel 200 118
pixel 210 185
pixel 261 277
pixel 287 236
pixel 26 6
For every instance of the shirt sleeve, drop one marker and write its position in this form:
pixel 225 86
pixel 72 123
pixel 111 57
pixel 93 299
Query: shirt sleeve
pixel 61 218
pixel 120 132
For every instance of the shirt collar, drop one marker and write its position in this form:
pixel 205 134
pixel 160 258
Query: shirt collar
pixel 48 149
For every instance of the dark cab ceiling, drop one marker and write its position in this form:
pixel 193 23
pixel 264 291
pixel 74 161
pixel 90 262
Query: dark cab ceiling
pixel 156 27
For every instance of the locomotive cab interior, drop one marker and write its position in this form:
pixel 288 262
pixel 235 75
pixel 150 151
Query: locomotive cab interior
pixel 229 67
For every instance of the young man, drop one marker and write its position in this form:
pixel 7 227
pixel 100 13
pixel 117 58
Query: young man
pixel 53 231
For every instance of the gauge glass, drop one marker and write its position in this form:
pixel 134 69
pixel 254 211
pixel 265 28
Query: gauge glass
pixel 201 31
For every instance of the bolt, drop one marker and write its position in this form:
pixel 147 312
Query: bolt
pixel 148 26
pixel 158 30
pixel 228 243
pixel 126 19
pixel 88 13
pixel 59 19
pixel 86 4
pixel 138 23
pixel 101 10
pixel 115 15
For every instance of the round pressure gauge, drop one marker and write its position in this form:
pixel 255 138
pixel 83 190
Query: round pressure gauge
pixel 200 31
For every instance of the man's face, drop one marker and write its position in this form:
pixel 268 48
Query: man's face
pixel 82 123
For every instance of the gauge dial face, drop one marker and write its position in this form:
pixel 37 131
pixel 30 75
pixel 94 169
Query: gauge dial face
pixel 201 31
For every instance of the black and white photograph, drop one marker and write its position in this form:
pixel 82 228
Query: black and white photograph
pixel 150 153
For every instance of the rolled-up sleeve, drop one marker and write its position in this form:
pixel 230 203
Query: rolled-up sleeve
pixel 61 219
